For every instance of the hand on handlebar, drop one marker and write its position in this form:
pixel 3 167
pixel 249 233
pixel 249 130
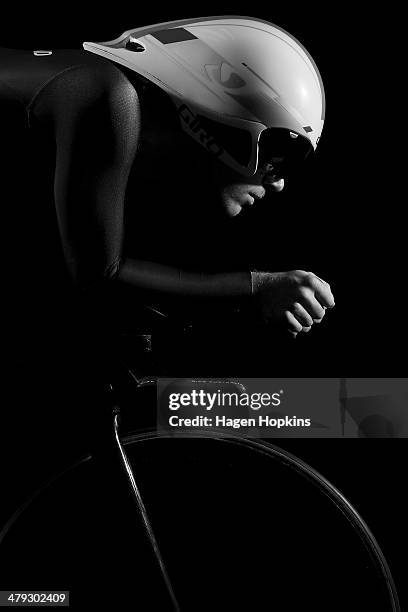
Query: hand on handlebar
pixel 295 300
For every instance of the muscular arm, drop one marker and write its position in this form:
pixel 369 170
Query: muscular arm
pixel 95 116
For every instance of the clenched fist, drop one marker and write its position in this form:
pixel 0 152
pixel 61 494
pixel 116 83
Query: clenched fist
pixel 295 299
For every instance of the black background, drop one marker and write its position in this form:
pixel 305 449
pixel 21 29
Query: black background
pixel 345 212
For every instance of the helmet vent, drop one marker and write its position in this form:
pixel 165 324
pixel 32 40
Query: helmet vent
pixel 134 45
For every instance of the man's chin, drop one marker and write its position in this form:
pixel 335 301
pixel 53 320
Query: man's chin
pixel 276 186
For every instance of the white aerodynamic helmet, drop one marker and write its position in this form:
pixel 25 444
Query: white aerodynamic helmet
pixel 230 78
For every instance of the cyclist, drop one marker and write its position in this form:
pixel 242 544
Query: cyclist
pixel 143 157
pixel 251 99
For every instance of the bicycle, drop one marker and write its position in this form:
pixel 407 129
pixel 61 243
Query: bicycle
pixel 191 522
